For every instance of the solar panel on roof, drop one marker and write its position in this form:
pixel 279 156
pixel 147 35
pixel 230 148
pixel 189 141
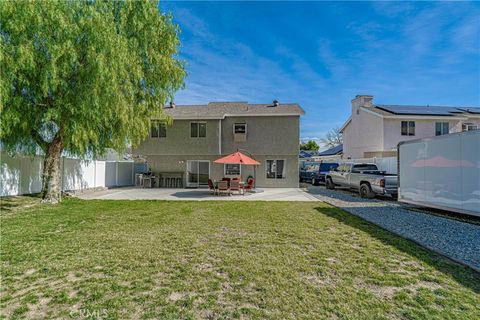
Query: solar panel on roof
pixel 474 110
pixel 420 110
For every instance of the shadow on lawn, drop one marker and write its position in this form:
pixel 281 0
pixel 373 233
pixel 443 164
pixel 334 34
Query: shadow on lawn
pixel 14 203
pixel 462 274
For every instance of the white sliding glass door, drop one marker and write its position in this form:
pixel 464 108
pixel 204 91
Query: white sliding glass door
pixel 198 173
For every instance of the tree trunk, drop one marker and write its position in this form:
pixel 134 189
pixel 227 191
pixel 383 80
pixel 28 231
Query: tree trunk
pixel 51 191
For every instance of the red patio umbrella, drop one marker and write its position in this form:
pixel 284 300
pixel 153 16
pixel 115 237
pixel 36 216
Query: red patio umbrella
pixel 237 158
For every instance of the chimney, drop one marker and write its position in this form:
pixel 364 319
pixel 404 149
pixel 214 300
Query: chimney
pixel 361 101
pixel 172 104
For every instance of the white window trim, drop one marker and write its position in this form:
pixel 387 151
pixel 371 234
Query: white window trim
pixel 244 123
pixel 198 136
pixel 225 170
pixel 408 128
pixel 442 124
pixel 284 169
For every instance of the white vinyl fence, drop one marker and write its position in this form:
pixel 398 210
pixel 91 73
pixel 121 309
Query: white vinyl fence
pixel 23 175
pixel 388 164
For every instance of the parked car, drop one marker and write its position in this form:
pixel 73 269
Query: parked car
pixel 318 175
pixel 307 170
pixel 314 172
pixel 363 177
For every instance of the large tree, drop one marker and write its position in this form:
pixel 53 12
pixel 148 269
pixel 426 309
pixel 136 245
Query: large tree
pixel 83 76
pixel 333 138
pixel 310 145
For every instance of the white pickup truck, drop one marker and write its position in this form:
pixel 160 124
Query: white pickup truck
pixel 363 177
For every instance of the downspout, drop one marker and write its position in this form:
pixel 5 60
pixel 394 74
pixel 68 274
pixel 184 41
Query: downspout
pixel 220 136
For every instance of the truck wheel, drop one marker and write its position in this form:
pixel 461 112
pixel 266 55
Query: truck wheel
pixel 314 183
pixel 366 191
pixel 329 184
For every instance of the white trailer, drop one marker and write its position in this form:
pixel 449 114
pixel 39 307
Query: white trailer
pixel 441 172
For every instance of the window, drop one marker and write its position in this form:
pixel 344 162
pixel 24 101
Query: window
pixel 469 126
pixel 275 169
pixel 240 128
pixel 408 128
pixel 198 129
pixel 441 128
pixel 158 129
pixel 232 169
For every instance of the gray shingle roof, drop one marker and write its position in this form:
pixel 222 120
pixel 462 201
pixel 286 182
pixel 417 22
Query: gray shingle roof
pixel 220 110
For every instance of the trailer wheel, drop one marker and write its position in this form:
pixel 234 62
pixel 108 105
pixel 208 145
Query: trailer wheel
pixel 314 183
pixel 329 184
pixel 366 191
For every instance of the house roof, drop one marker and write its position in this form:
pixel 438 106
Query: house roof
pixel 220 110
pixel 332 151
pixel 424 110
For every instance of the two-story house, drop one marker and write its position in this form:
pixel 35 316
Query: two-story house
pixel 375 130
pixel 200 134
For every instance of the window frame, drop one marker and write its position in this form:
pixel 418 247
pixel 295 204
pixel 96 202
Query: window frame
pixel 284 176
pixel 155 125
pixel 442 132
pixel 235 127
pixel 468 126
pixel 232 174
pixel 197 123
pixel 410 128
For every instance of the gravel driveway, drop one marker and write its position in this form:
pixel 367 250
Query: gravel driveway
pixel 455 239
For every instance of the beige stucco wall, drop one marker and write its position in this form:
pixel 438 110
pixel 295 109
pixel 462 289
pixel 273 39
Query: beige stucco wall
pixel 363 134
pixel 163 163
pixel 179 142
pixel 269 138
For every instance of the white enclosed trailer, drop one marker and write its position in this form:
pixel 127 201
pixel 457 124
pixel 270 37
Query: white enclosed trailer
pixel 441 172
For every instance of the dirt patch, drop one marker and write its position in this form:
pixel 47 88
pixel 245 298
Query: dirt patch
pixel 320 280
pixel 388 292
pixel 175 296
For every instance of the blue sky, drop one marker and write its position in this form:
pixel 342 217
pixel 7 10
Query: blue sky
pixel 322 54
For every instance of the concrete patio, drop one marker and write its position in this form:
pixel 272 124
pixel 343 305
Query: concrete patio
pixel 135 193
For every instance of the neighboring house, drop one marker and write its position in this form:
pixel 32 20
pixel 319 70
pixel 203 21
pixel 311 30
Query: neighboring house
pixel 201 134
pixel 375 130
pixel 334 153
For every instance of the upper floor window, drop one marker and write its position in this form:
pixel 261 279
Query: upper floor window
pixel 469 126
pixel 441 128
pixel 240 128
pixel 158 129
pixel 408 128
pixel 198 129
pixel 275 169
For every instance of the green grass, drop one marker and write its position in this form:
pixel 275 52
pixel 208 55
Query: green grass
pixel 219 260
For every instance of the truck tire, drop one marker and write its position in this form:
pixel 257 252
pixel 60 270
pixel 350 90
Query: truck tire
pixel 314 183
pixel 366 192
pixel 329 184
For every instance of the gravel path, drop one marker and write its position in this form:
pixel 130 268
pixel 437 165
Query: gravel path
pixel 455 239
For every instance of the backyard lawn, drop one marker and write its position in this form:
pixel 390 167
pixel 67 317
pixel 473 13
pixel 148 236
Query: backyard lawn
pixel 170 260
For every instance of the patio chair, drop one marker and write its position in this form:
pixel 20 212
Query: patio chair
pixel 226 179
pixel 223 187
pixel 249 185
pixel 235 186
pixel 211 186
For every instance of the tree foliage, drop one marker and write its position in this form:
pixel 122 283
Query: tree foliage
pixel 333 138
pixel 84 75
pixel 311 145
